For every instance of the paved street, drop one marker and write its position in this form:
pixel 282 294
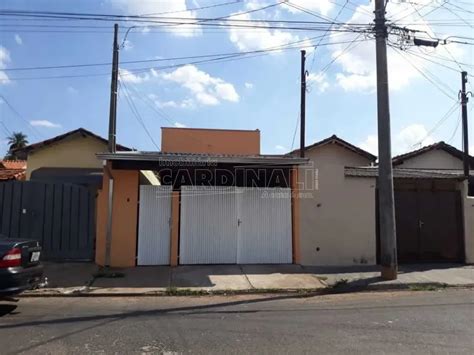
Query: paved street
pixel 398 322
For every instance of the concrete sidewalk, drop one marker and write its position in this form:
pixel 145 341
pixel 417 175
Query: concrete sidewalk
pixel 409 276
pixel 86 279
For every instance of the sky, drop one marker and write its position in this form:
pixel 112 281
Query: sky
pixel 254 92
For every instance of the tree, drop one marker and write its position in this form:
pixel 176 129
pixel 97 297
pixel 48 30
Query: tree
pixel 15 141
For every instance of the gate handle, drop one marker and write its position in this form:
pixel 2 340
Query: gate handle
pixel 420 224
pixel 239 222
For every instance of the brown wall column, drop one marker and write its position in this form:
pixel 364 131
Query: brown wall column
pixel 174 228
pixel 124 219
pixel 295 215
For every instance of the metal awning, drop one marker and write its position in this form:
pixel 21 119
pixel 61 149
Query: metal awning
pixel 199 158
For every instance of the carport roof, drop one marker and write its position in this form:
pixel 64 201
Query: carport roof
pixel 187 158
pixel 405 173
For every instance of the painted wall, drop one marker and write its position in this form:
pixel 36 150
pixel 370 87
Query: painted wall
pixel 217 141
pixel 337 218
pixel 124 217
pixel 468 226
pixel 72 152
pixel 434 159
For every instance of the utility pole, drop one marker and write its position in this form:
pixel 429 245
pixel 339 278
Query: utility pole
pixel 465 137
pixel 303 103
pixel 112 144
pixel 113 93
pixel 388 241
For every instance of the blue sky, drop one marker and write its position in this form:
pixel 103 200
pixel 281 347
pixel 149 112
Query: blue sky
pixel 258 92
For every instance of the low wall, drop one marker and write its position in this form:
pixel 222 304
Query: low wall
pixel 469 229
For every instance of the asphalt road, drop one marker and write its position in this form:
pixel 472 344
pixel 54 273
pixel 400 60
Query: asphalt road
pixel 399 322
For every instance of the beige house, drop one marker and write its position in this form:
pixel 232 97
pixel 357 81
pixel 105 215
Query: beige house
pixel 337 212
pixel 338 219
pixel 71 157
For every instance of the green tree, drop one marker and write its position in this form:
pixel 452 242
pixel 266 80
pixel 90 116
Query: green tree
pixel 16 140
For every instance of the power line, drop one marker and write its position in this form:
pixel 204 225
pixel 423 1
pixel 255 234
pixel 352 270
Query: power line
pixel 136 114
pixel 437 85
pixel 32 128
pixel 325 34
pixel 457 127
pixel 438 124
pixel 195 8
pixel 232 57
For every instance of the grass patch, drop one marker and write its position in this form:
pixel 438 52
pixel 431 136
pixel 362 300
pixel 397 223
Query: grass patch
pixel 427 287
pixel 340 283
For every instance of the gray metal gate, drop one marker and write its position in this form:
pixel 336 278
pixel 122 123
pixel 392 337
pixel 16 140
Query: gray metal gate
pixel 60 216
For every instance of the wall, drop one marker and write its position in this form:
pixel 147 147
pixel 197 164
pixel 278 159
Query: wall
pixel 434 159
pixel 124 219
pixel 468 204
pixel 217 141
pixel 337 223
pixel 73 152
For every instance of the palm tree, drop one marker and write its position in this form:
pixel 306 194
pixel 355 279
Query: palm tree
pixel 16 140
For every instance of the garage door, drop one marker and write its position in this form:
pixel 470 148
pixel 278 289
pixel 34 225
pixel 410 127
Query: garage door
pixel 429 225
pixel 154 225
pixel 265 226
pixel 221 225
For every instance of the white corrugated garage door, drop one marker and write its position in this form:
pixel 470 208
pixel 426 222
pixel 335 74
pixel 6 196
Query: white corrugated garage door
pixel 154 225
pixel 208 233
pixel 265 228
pixel 221 225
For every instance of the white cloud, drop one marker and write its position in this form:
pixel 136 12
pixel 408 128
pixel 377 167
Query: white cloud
pixel 281 148
pixel 71 90
pixel 179 125
pixel 44 123
pixel 259 39
pixel 186 103
pixel 370 144
pixel 207 90
pixel 129 77
pixel 409 138
pixel 412 137
pixel 357 64
pixel 18 39
pixel 248 85
pixel 155 7
pixel 318 80
pixel 4 59
pixel 321 6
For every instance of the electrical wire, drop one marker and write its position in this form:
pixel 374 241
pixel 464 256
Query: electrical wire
pixel 456 128
pixel 32 128
pixel 432 81
pixel 135 112
pixel 438 124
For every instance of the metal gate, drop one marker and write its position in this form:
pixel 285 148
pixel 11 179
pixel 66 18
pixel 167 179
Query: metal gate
pixel 208 233
pixel 227 225
pixel 60 216
pixel 264 233
pixel 154 225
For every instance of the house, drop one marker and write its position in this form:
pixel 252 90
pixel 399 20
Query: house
pixel 219 202
pixel 434 214
pixel 337 213
pixel 12 170
pixel 70 158
pixel 56 205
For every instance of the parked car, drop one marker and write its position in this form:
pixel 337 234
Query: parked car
pixel 20 267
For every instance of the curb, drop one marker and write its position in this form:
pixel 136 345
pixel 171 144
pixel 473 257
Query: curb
pixel 298 292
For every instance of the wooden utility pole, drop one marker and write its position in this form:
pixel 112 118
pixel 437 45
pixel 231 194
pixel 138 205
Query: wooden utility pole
pixel 303 103
pixel 465 136
pixel 112 144
pixel 113 93
pixel 388 242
